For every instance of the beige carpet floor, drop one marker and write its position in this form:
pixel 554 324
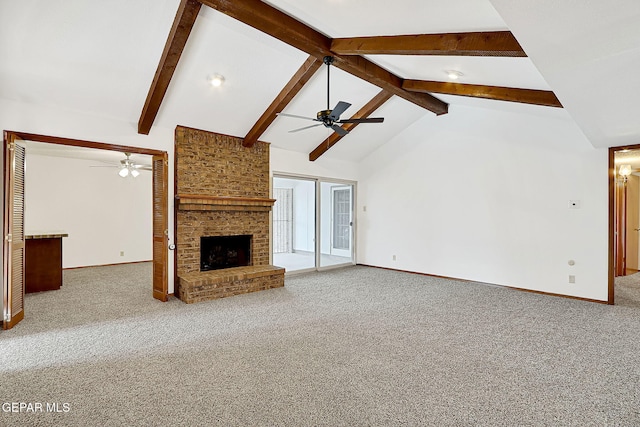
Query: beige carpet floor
pixel 350 347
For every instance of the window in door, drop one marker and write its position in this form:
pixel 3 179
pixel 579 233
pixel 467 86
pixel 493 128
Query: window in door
pixel 336 224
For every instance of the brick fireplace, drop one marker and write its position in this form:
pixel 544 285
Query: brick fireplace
pixel 222 190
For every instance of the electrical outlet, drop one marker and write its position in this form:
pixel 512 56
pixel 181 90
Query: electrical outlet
pixel 572 278
pixel 394 257
pixel 121 253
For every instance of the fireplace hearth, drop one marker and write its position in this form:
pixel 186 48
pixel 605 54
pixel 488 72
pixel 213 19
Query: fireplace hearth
pixel 218 252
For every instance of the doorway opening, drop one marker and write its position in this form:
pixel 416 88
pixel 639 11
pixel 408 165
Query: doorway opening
pixel 624 214
pixel 313 223
pixel 14 218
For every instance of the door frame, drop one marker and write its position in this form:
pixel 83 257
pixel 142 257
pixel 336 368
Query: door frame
pixel 612 217
pixel 632 205
pixel 11 135
pixel 318 180
pixel 293 234
pixel 333 249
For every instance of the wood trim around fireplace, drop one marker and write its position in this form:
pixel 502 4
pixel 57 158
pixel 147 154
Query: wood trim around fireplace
pixel 206 202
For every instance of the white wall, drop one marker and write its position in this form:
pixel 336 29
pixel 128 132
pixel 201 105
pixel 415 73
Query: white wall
pixel 103 213
pixel 483 195
pixel 291 162
pixel 25 117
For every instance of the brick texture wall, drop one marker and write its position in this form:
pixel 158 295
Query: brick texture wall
pixel 193 224
pixel 218 165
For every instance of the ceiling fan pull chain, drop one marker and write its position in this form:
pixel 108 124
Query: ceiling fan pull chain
pixel 328 60
pixel 328 80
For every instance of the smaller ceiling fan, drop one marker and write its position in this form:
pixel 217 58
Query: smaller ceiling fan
pixel 128 167
pixel 331 118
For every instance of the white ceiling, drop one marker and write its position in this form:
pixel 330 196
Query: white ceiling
pixel 100 58
pixel 94 156
pixel 589 53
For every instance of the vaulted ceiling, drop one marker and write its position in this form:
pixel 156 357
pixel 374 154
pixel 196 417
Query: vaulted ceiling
pixel 101 59
pixel 350 54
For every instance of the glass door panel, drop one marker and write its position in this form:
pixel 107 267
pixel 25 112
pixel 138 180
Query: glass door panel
pixel 294 223
pixel 336 224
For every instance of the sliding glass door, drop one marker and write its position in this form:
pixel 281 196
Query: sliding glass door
pixel 294 223
pixel 313 223
pixel 336 224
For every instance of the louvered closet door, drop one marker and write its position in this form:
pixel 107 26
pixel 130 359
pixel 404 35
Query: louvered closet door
pixel 13 283
pixel 160 228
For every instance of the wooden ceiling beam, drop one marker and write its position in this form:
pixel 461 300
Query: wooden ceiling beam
pixel 483 43
pixel 276 23
pixel 176 41
pixel 368 71
pixel 371 106
pixel 526 96
pixel 297 82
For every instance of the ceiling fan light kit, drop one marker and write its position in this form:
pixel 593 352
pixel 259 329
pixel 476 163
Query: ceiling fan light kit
pixel 331 118
pixel 128 167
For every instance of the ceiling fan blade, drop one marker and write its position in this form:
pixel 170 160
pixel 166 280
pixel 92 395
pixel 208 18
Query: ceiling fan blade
pixel 306 127
pixel 103 166
pixel 337 129
pixel 297 117
pixel 366 120
pixel 340 108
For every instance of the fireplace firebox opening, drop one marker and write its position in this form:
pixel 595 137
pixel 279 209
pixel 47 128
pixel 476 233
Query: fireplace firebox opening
pixel 218 252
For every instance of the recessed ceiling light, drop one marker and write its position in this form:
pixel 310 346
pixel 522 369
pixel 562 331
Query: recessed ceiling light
pixel 454 74
pixel 217 80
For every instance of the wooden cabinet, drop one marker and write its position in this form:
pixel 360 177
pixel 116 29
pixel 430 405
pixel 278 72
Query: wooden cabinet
pixel 43 262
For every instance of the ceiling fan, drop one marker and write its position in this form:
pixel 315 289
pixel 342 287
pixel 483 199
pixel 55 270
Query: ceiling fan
pixel 128 167
pixel 331 118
